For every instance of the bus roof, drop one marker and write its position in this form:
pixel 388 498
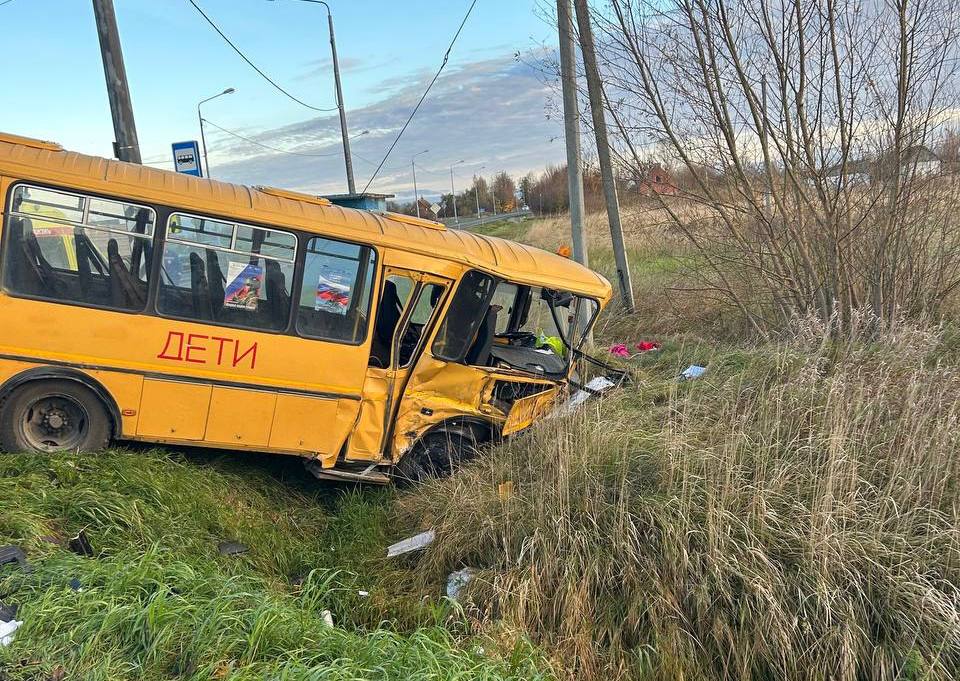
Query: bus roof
pixel 28 159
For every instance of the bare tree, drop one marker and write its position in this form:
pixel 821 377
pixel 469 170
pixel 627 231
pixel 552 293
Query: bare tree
pixel 805 127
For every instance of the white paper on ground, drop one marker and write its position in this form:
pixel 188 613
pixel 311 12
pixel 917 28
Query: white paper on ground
pixel 599 384
pixel 6 631
pixel 417 541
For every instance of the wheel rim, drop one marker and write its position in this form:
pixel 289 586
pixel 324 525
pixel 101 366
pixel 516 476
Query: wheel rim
pixel 53 423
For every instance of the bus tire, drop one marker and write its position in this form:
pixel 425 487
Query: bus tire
pixel 437 455
pixel 53 416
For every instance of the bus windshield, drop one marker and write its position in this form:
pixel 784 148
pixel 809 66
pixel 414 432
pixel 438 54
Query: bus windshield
pixel 499 323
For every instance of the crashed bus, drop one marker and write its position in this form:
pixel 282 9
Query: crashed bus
pixel 140 304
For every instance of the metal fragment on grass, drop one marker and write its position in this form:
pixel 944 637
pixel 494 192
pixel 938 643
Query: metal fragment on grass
pixel 414 543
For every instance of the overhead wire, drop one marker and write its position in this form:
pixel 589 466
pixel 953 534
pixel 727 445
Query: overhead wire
pixel 251 64
pixel 267 146
pixel 446 57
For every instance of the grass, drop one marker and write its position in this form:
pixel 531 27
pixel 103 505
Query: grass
pixel 158 600
pixel 792 515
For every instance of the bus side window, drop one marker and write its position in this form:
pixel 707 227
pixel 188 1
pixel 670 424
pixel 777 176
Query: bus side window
pixel 334 299
pixel 226 273
pixel 73 248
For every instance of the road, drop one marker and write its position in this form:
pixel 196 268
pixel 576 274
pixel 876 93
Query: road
pixel 470 223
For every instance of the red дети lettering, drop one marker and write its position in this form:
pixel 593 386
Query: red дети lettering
pixel 181 347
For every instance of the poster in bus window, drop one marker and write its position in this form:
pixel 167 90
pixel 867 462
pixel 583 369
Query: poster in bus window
pixel 244 282
pixel 333 293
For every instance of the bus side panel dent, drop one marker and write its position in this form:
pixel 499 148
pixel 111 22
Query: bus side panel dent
pixel 440 391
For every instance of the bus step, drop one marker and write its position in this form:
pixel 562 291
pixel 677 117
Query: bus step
pixel 368 474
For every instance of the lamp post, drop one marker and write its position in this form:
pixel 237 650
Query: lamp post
pixel 203 139
pixel 477 192
pixel 416 195
pixel 347 159
pixel 453 193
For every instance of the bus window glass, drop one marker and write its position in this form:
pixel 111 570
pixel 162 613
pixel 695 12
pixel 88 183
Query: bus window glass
pixel 271 244
pixel 466 314
pixel 64 247
pixel 334 300
pixel 430 296
pixel 203 279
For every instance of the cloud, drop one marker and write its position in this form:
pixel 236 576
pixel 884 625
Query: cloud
pixel 491 112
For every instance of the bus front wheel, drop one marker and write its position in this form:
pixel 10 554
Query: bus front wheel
pixel 437 455
pixel 53 416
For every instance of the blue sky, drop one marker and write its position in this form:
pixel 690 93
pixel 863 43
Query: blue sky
pixel 488 108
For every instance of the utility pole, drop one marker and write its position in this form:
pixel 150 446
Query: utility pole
pixel 571 126
pixel 416 196
pixel 348 161
pixel 595 90
pixel 126 146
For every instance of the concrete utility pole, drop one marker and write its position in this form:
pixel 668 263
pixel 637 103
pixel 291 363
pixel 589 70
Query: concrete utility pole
pixel 347 159
pixel 595 90
pixel 571 126
pixel 126 146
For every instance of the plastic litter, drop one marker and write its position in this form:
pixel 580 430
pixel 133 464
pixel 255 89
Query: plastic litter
pixel 80 545
pixel 595 386
pixel 327 618
pixel 8 612
pixel 231 548
pixel 14 554
pixel 363 594
pixel 693 371
pixel 76 585
pixel 6 631
pixel 457 581
pixel 414 543
pixel 648 346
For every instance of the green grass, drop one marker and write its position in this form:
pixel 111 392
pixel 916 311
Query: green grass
pixel 513 228
pixel 158 601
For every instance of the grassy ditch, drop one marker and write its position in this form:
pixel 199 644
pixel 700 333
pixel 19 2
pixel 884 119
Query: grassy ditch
pixel 157 600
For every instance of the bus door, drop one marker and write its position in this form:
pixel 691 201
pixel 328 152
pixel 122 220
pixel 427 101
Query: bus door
pixel 406 313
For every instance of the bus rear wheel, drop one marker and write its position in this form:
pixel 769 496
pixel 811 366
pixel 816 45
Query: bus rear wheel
pixel 53 416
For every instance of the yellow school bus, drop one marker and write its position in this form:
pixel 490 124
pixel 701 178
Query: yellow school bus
pixel 141 304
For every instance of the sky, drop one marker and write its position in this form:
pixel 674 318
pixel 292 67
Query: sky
pixel 489 109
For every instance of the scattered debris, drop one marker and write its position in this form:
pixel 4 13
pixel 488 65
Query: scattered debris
pixel 75 585
pixel 80 545
pixel 414 543
pixel 457 581
pixel 231 548
pixel 505 490
pixel 596 386
pixel 363 594
pixel 693 371
pixel 620 350
pixel 6 631
pixel 327 618
pixel 14 554
pixel 649 346
pixel 8 612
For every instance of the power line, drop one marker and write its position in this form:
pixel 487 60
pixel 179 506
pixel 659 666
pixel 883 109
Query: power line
pixel 446 57
pixel 266 146
pixel 5 2
pixel 252 65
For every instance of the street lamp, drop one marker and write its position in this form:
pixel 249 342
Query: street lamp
pixel 477 192
pixel 348 161
pixel 203 140
pixel 453 193
pixel 413 164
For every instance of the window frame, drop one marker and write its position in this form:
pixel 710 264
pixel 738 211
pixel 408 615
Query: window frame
pixel 375 285
pixel 166 238
pixel 9 213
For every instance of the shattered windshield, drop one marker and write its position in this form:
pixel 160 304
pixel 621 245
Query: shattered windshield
pixel 512 325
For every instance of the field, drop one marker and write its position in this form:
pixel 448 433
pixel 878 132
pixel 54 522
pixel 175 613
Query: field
pixel 790 515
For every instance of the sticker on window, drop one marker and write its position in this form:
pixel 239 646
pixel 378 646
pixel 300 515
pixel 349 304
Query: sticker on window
pixel 333 293
pixel 243 286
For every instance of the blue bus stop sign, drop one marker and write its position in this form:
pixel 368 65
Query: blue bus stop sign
pixel 186 158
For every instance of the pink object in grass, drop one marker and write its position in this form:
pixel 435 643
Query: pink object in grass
pixel 620 350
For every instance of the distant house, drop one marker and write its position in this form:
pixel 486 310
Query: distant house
pixel 915 161
pixel 657 181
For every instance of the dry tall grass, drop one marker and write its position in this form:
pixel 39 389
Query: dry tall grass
pixel 792 515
